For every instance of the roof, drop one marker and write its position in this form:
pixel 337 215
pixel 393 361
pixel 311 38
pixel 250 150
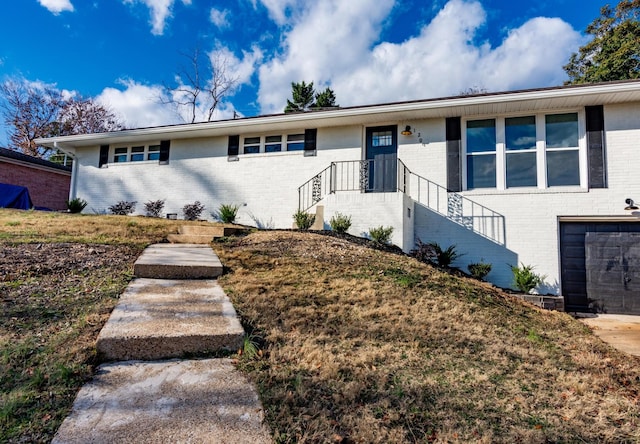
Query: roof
pixel 559 97
pixel 15 155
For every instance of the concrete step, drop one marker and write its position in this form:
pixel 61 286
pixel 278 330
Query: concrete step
pixel 200 239
pixel 178 261
pixel 197 401
pixel 161 318
pixel 213 230
pixel 203 234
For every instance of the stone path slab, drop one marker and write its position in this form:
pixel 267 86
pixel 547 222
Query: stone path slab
pixel 158 318
pixel 196 401
pixel 178 261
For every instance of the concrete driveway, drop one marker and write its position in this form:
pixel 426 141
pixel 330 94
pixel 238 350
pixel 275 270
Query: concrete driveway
pixel 621 331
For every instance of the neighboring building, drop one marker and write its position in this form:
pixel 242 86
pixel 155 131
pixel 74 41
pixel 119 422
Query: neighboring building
pixel 48 182
pixel 538 177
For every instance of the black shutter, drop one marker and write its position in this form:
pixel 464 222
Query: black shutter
pixel 310 137
pixel 164 152
pixel 595 147
pixel 104 155
pixel 234 146
pixel 454 154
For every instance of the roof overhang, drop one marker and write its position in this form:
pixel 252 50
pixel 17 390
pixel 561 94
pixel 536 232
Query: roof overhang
pixel 483 104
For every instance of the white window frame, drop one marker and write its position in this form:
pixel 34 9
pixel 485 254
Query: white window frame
pixel 541 159
pixel 129 154
pixel 262 145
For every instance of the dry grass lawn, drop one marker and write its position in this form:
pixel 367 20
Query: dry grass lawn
pixel 365 346
pixel 358 345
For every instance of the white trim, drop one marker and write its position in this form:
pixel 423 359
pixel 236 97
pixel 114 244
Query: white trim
pixel 551 98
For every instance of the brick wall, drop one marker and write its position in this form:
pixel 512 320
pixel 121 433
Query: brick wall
pixel 47 188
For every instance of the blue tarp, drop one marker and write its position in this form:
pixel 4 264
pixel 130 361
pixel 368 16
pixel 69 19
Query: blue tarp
pixel 14 196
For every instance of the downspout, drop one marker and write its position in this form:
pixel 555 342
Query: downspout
pixel 74 171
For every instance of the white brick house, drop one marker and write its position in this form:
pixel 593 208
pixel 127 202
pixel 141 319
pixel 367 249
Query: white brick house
pixel 538 177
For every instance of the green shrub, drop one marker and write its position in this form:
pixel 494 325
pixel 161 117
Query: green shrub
pixel 479 270
pixel 340 223
pixel 381 235
pixel 123 208
pixel 303 219
pixel 227 213
pixel 153 208
pixel 192 211
pixel 525 279
pixel 444 258
pixel 76 205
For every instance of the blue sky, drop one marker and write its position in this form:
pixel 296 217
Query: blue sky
pixel 369 51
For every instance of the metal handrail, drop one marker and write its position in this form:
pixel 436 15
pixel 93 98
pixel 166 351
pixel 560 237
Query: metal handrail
pixel 361 175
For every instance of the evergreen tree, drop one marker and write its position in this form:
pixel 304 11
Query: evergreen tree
pixel 303 96
pixel 614 51
pixel 326 99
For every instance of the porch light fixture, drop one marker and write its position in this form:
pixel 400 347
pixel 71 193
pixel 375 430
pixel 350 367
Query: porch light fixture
pixel 630 205
pixel 407 131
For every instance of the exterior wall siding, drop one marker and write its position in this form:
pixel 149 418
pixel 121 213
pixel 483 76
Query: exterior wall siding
pixel 47 188
pixel 266 187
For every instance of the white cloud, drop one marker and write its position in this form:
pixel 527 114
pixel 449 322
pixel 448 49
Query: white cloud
pixel 57 6
pixel 161 10
pixel 219 17
pixel 443 59
pixel 329 38
pixel 138 105
pixel 240 69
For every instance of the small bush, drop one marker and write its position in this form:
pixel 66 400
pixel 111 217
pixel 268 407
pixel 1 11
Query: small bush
pixel 381 235
pixel 123 208
pixel 479 270
pixel 340 223
pixel 227 213
pixel 303 219
pixel 424 252
pixel 154 208
pixel 444 258
pixel 76 205
pixel 525 279
pixel 192 211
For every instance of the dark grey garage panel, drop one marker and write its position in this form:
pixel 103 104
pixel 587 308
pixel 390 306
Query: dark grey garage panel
pixel 600 266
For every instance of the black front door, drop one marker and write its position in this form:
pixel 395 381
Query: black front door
pixel 382 158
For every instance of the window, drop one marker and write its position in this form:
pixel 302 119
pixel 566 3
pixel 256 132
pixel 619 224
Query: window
pixel 563 157
pixel 251 145
pixel 295 142
pixel 120 155
pixel 273 144
pixel 154 152
pixel 520 147
pixel 136 153
pixel 523 151
pixel 481 153
pixel 381 138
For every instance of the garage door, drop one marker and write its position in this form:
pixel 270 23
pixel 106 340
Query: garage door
pixel 600 266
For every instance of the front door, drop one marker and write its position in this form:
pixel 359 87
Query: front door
pixel 382 158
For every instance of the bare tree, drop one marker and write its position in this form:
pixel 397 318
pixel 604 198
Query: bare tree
pixel 30 111
pixel 33 110
pixel 197 94
pixel 85 116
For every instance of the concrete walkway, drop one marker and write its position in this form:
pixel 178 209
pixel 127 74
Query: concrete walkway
pixel 146 398
pixel 620 331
